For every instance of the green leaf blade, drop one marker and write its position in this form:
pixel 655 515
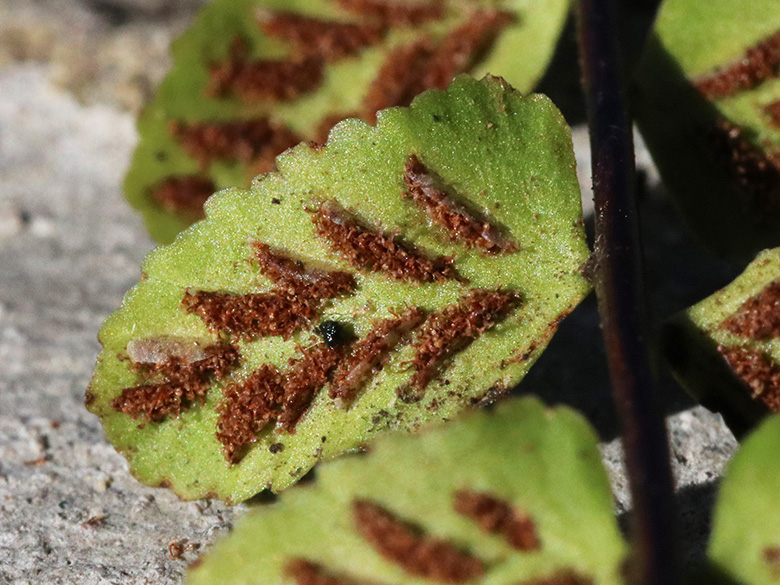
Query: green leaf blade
pixel 343 93
pixel 745 542
pixel 720 354
pixel 716 153
pixel 518 453
pixel 363 169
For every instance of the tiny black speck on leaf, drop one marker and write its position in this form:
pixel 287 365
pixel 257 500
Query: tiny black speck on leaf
pixel 333 333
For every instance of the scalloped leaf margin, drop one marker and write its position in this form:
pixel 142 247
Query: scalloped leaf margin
pixel 507 156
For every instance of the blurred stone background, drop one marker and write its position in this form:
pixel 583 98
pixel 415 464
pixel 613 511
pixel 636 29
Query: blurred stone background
pixel 72 75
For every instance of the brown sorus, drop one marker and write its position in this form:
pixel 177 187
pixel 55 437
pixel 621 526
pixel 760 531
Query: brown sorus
pixel 304 572
pixel 400 78
pixel 370 353
pixel 313 37
pixel 411 69
pixel 464 47
pixel 460 224
pixel 497 516
pixel 757 371
pixel 759 316
pixel 757 174
pixel 254 315
pixel 773 111
pixel 305 376
pixel 771 556
pixel 246 408
pixel 269 395
pixel 182 384
pixel 560 578
pixel 760 62
pixel 393 13
pixel 274 80
pixel 445 333
pixel 419 555
pixel 293 304
pixel 294 277
pixel 255 142
pixel 370 249
pixel 185 194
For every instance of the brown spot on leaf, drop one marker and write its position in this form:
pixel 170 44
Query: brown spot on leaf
pixel 445 333
pixel 374 250
pixel 313 37
pixel 759 316
pixel 393 13
pixel 269 395
pixel 759 63
pixel 757 371
pixel 417 554
pixel 185 195
pixel 176 384
pixel 459 223
pixel 304 572
pixel 254 142
pixel 561 578
pixel 751 170
pixel 280 80
pixel 370 353
pixel 497 516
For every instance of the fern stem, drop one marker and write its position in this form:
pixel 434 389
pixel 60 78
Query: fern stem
pixel 618 281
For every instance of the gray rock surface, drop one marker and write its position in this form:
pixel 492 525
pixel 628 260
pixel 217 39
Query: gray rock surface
pixel 70 248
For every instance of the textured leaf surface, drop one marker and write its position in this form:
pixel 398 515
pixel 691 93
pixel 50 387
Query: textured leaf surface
pixel 221 332
pixel 726 349
pixel 745 541
pixel 709 109
pixel 296 73
pixel 520 491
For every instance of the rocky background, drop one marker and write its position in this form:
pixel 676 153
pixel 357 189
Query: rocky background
pixel 72 75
